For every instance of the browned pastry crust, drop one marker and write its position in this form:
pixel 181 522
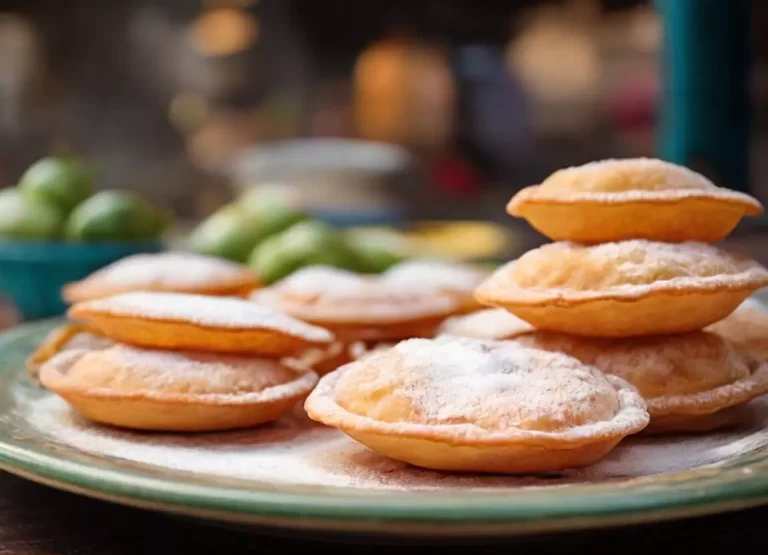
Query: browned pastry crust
pixel 618 200
pixel 165 272
pixel 196 322
pixel 691 382
pixel 625 289
pixel 175 391
pixel 462 404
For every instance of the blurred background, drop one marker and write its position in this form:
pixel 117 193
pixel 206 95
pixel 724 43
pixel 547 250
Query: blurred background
pixel 377 113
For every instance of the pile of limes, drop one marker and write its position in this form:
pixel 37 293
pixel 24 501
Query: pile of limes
pixel 54 201
pixel 276 239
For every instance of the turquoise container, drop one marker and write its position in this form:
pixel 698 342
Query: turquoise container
pixel 32 274
pixel 705 111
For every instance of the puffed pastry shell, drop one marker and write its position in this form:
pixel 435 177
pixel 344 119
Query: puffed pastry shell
pixel 198 322
pixel 697 381
pixel 468 405
pixel 617 200
pixel 175 272
pixel 175 391
pixel 64 337
pixel 360 307
pixel 625 289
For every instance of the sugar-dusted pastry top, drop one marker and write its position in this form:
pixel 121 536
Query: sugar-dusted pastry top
pixel 488 386
pixel 624 268
pixel 126 370
pixel 333 295
pixel 167 271
pixel 205 311
pixel 489 323
pixel 675 371
pixel 621 180
pixel 429 274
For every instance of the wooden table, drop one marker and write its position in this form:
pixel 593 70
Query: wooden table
pixel 37 520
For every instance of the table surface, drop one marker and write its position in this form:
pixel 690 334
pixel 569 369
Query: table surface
pixel 37 520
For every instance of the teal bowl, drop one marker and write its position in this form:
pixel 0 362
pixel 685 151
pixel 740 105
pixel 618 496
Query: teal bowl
pixel 32 274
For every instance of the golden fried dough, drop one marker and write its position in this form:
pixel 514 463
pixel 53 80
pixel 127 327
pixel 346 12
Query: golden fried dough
pixel 65 337
pixel 174 391
pixel 618 200
pixel 178 272
pixel 464 404
pixel 198 322
pixel 356 307
pixel 690 381
pixel 624 289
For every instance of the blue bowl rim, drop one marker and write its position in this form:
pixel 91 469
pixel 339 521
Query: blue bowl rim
pixel 54 251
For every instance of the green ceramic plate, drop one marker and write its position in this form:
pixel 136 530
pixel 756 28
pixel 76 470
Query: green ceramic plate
pixel 295 475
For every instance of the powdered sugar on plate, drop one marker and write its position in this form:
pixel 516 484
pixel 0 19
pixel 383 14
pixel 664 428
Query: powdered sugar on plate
pixel 296 451
pixel 218 312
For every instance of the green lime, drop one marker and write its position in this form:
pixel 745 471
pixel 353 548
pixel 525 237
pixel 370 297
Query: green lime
pixel 120 216
pixel 24 218
pixel 227 233
pixel 269 211
pixel 61 182
pixel 377 250
pixel 304 244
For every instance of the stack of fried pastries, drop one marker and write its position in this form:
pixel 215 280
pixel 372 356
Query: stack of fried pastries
pixel 630 322
pixel 178 361
pixel 633 296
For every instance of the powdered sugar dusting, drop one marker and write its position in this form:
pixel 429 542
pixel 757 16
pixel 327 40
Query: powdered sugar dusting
pixel 632 179
pixel 220 312
pixel 180 268
pixel 629 268
pixel 322 294
pixel 322 280
pixel 680 259
pixel 431 274
pixel 296 451
pixel 499 385
pixel 128 369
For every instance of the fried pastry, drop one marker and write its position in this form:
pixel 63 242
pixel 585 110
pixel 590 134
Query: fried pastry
pixel 617 200
pixel 696 381
pixel 490 323
pixel 459 280
pixel 175 391
pixel 747 327
pixel 464 404
pixel 623 289
pixel 198 322
pixel 65 337
pixel 178 272
pixel 359 307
